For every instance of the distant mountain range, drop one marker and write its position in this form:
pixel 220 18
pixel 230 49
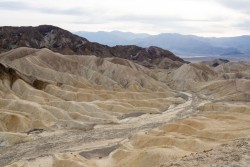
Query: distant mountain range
pixel 112 38
pixel 182 45
pixel 64 42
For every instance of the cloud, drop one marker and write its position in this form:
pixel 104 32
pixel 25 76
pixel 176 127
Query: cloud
pixel 243 25
pixel 240 5
pixel 158 19
pixel 19 5
pixel 13 5
pixel 240 20
pixel 216 17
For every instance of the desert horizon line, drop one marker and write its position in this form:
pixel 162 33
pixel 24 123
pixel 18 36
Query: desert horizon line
pixel 155 34
pixel 134 32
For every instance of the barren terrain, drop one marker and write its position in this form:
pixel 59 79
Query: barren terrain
pixel 60 110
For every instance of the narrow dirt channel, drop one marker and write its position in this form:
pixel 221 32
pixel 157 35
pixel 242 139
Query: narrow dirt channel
pixel 48 143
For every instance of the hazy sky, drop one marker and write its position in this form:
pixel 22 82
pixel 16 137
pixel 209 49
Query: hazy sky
pixel 199 17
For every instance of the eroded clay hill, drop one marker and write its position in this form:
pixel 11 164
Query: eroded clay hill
pixel 66 110
pixel 44 90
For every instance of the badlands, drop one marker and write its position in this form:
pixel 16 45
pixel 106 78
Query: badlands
pixel 86 111
pixel 90 105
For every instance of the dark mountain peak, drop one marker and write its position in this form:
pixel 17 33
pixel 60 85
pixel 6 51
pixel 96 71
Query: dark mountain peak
pixel 47 28
pixel 44 36
pixel 158 52
pixel 62 41
pixel 162 53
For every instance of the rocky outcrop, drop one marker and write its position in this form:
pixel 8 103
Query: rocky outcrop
pixel 64 42
pixel 216 62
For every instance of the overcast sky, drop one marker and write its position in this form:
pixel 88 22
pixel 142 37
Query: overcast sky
pixel 198 17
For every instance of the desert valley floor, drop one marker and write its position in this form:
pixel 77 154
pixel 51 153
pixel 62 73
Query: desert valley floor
pixel 112 112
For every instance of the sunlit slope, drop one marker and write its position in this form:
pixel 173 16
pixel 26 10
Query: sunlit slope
pixel 218 124
pixel 43 89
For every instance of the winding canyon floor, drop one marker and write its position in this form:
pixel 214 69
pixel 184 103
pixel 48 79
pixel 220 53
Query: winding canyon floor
pixel 111 112
pixel 101 137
